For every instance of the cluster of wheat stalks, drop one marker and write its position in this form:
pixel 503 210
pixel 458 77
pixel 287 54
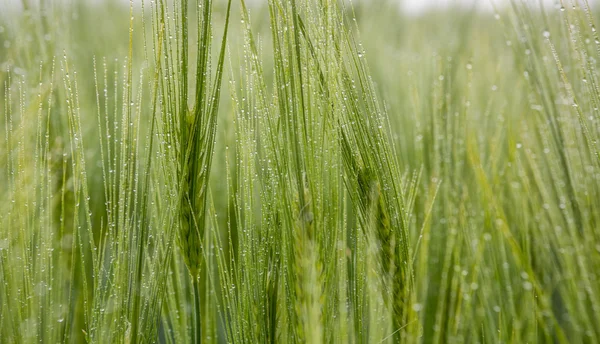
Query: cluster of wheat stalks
pixel 253 173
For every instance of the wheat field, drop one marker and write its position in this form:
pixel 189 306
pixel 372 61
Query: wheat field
pixel 299 171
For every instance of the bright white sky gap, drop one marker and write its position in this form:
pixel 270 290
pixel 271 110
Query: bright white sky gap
pixel 420 6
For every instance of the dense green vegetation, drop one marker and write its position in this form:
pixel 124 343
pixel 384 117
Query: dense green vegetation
pixel 298 171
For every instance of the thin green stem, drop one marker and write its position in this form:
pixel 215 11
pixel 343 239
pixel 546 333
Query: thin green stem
pixel 198 311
